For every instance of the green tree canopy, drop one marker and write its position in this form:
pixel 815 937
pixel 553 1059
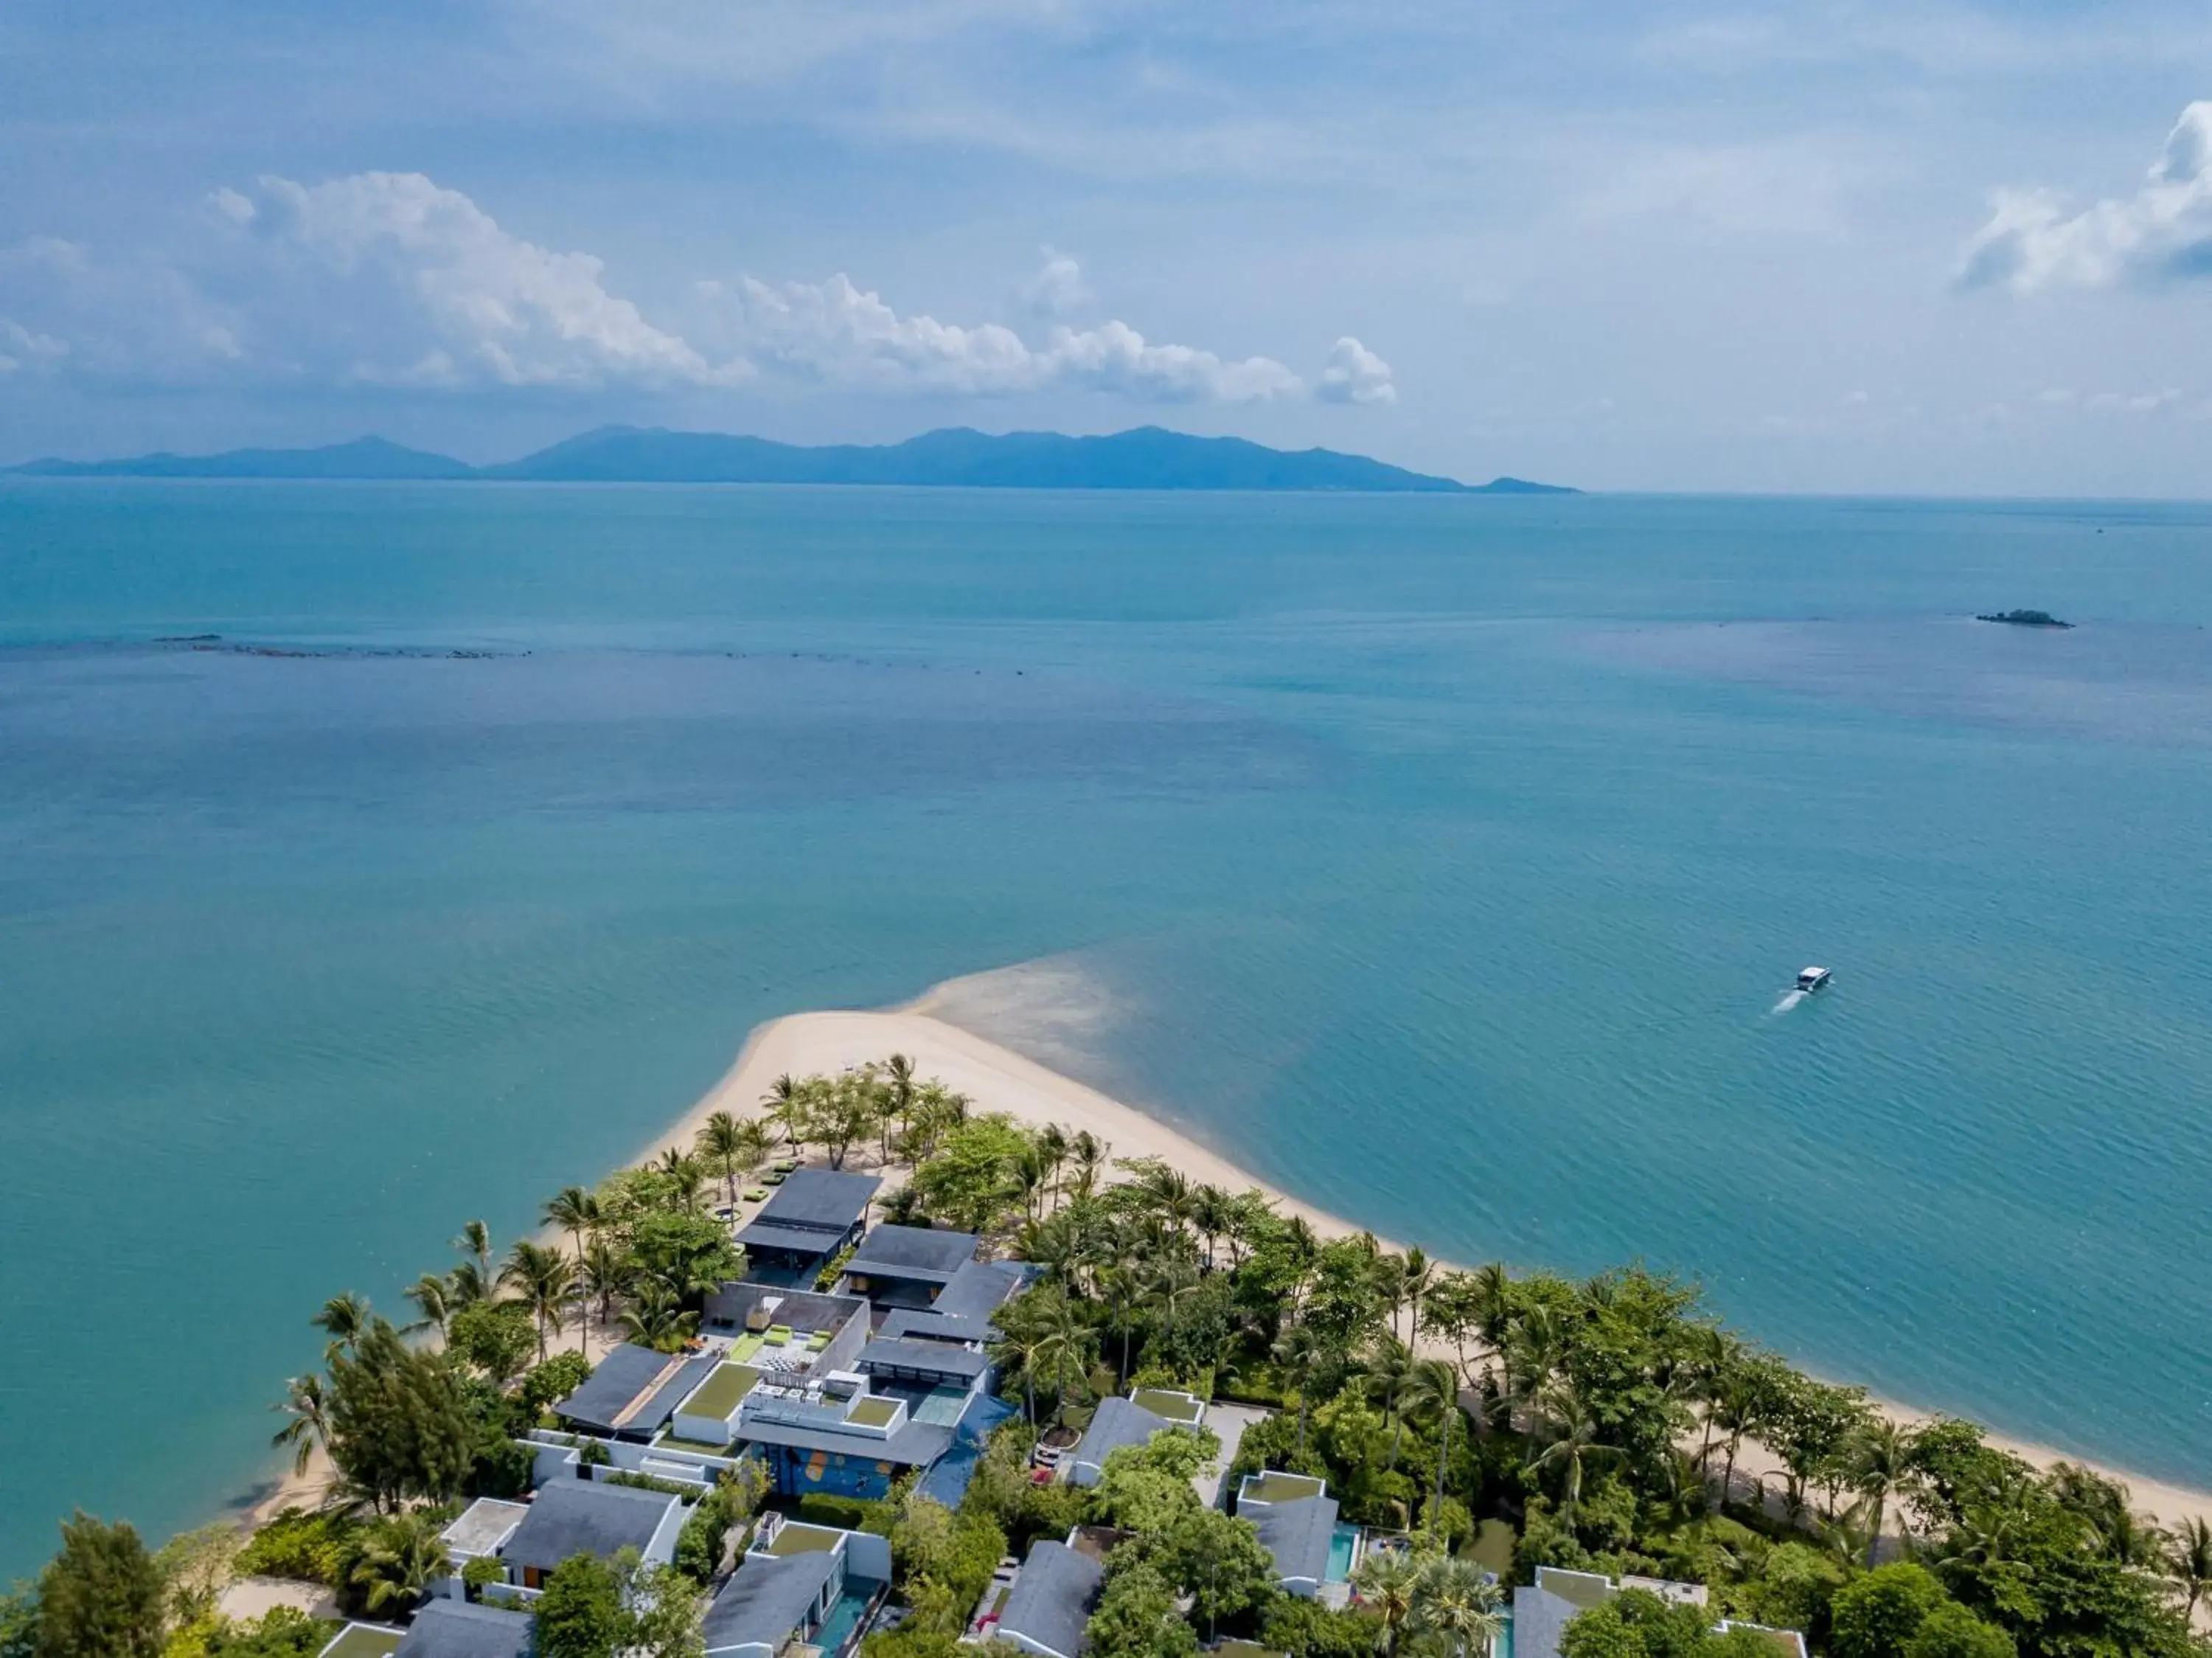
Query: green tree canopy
pixel 579 1614
pixel 1876 1616
pixel 1137 1617
pixel 102 1596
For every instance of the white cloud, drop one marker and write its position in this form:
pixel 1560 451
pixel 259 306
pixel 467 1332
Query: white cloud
pixel 1355 374
pixel 1057 289
pixel 20 349
pixel 390 279
pixel 838 332
pixel 2163 231
pixel 484 304
pixel 2132 402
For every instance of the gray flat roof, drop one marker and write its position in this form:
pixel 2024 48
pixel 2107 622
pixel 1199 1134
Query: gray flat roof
pixel 914 1444
pixel 907 1323
pixel 1297 1534
pixel 585 1516
pixel 1117 1421
pixel 802 1309
pixel 798 1240
pixel 980 1287
pixel 768 1598
pixel 1053 1598
pixel 914 1252
pixel 454 1629
pixel 825 1199
pixel 935 1358
pixel 635 1390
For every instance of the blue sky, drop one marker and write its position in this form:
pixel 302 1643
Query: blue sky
pixel 1838 246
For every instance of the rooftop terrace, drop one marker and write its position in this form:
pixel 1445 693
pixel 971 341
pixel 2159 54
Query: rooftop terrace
pixel 796 1537
pixel 723 1392
pixel 1181 1409
pixel 364 1640
pixel 1274 1486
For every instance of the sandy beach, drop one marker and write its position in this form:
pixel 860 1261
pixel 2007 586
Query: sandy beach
pixel 998 1080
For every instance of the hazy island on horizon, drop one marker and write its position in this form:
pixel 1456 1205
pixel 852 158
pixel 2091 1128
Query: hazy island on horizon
pixel 1142 458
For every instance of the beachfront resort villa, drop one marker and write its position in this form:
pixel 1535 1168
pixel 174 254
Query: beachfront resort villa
pixel 1541 1609
pixel 814 1585
pixel 1133 1421
pixel 907 1265
pixel 962 1309
pixel 1045 1610
pixel 1296 1519
pixel 634 1391
pixel 454 1629
pixel 816 1214
pixel 568 1517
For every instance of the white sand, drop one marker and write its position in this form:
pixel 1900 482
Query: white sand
pixel 998 1080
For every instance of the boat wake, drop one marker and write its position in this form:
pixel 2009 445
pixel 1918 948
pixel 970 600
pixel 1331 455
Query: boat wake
pixel 1790 999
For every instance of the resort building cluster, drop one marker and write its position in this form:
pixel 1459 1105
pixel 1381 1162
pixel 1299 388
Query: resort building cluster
pixel 846 1392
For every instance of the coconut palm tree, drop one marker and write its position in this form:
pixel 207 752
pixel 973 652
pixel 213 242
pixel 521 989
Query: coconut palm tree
pixel 310 1426
pixel 1122 1292
pixel 1387 1378
pixel 1416 1274
pixel 1457 1604
pixel 475 1240
pixel 466 1285
pixel 1089 1154
pixel 1573 1441
pixel 2188 1564
pixel 1212 1211
pixel 1389 1584
pixel 1879 1460
pixel 1167 1280
pixel 656 1319
pixel 343 1318
pixel 899 1092
pixel 683 1173
pixel 432 1299
pixel 543 1278
pixel 1299 1352
pixel 1052 1146
pixel 575 1211
pixel 1431 1393
pixel 722 1142
pixel 785 1100
pixel 405 1556
pixel 1167 1190
pixel 605 1273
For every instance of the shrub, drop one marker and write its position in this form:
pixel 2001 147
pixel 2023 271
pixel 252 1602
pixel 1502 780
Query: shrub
pixel 849 1513
pixel 500 1468
pixel 554 1380
pixel 281 1633
pixel 650 1483
pixel 312 1548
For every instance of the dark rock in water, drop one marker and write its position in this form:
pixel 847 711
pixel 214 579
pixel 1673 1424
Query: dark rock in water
pixel 2025 619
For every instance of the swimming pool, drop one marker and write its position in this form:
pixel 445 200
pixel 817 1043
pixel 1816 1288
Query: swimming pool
pixel 844 1618
pixel 1343 1544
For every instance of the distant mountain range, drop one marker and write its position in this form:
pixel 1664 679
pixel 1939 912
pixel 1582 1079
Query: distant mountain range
pixel 1148 457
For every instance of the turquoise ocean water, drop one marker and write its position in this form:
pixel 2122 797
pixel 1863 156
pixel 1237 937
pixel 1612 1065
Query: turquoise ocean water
pixel 1445 859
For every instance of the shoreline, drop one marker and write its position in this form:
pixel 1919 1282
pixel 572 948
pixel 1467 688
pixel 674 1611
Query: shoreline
pixel 998 1079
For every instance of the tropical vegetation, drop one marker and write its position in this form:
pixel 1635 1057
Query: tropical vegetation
pixel 1481 1423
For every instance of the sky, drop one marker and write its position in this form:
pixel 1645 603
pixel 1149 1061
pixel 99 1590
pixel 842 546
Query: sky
pixel 1909 248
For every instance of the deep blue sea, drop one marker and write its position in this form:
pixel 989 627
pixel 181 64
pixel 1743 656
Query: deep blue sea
pixel 1443 858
